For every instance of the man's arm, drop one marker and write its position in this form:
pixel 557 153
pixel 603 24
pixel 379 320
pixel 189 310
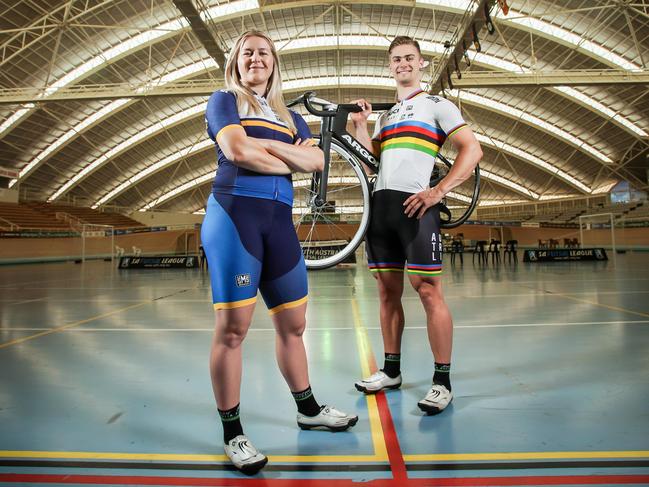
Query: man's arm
pixel 469 154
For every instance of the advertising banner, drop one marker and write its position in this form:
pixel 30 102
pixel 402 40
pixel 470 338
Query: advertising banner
pixel 557 255
pixel 322 251
pixel 159 262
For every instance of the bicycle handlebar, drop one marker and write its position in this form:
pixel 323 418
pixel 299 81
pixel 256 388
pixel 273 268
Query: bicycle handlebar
pixel 330 109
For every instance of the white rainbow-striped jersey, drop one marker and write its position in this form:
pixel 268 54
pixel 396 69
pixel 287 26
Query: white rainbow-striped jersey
pixel 410 135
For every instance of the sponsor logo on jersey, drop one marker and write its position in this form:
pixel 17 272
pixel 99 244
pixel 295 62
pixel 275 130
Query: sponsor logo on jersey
pixel 364 152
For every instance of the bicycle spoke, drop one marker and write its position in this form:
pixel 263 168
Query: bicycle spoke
pixel 347 192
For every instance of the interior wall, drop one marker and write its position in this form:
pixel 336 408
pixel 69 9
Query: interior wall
pixel 163 218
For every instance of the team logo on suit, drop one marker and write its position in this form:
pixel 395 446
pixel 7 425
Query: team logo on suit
pixel 242 280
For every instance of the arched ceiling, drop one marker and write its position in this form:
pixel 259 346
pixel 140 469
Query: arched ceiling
pixel 558 95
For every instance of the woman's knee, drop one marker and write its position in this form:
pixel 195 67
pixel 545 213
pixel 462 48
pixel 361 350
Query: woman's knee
pixel 231 334
pixel 291 329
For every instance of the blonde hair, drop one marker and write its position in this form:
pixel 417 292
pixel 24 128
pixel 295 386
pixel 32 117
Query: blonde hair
pixel 246 101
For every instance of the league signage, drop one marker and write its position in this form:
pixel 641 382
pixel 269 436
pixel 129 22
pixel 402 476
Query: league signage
pixel 558 255
pixel 159 262
pixel 322 251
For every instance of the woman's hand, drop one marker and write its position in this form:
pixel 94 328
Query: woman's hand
pixel 307 142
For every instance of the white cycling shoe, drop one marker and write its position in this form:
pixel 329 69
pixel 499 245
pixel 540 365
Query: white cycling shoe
pixel 328 418
pixel 377 382
pixel 244 455
pixel 436 400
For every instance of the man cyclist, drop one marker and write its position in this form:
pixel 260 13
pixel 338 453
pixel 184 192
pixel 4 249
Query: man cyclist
pixel 404 229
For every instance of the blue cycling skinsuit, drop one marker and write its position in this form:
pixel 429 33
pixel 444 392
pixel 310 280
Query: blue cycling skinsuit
pixel 248 232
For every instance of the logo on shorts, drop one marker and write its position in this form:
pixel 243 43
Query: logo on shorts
pixel 242 280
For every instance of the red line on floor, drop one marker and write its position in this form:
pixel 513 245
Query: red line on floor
pixel 397 464
pixel 395 457
pixel 259 482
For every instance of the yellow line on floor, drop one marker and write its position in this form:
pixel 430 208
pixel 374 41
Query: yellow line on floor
pixel 71 325
pixel 563 455
pixel 168 457
pixel 441 457
pixel 365 353
pixel 595 303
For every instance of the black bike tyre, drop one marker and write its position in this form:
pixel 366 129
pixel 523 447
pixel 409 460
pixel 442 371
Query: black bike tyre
pixel 343 253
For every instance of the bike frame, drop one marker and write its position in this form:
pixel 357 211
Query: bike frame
pixel 333 126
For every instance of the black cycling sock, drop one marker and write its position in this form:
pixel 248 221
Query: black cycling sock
pixel 392 365
pixel 442 375
pixel 306 403
pixel 231 423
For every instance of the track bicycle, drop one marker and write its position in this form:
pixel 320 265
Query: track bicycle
pixel 331 209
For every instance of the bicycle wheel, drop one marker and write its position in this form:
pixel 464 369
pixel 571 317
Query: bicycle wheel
pixel 330 231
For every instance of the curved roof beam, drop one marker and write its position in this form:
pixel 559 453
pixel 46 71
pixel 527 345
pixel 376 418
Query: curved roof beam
pixel 243 7
pixel 356 42
pixel 108 110
pixel 516 114
pixel 122 49
pixel 205 178
pixel 352 41
pixel 474 99
pixel 152 169
pixel 566 38
pixel 430 48
pixel 43 27
pixel 178 190
pixel 544 29
pixel 204 145
pixel 120 148
pixel 536 161
pixel 191 112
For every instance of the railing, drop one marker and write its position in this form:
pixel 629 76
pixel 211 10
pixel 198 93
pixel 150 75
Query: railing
pixel 74 222
pixel 12 226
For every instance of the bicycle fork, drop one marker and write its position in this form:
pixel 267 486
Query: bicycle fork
pixel 319 180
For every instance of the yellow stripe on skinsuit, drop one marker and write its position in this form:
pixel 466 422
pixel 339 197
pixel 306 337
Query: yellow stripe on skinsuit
pixel 268 125
pixel 227 127
pixel 291 304
pixel 235 304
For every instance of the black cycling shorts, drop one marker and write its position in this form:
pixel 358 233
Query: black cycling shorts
pixel 393 239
